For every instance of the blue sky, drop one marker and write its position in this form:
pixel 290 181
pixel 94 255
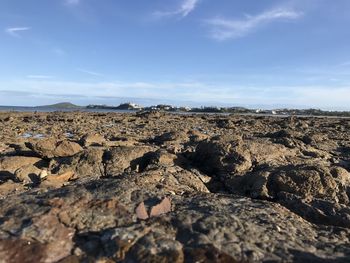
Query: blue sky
pixel 267 53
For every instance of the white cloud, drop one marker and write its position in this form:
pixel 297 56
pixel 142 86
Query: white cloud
pixel 223 29
pixel 89 72
pixel 193 91
pixel 305 96
pixel 39 77
pixel 14 31
pixel 186 7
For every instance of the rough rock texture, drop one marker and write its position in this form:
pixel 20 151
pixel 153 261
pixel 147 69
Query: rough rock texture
pixel 49 148
pixel 155 187
pixel 93 139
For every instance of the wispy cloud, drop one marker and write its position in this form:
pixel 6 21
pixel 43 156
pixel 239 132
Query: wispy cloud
pixel 39 77
pixel 223 28
pixel 89 72
pixel 15 31
pixel 186 7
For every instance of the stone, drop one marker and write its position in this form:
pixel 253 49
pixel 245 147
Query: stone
pixel 162 208
pixel 67 148
pixel 141 211
pixel 118 159
pixel 174 188
pixel 93 139
pixel 10 164
pixel 50 148
pixel 28 174
pixel 57 181
pixel 87 163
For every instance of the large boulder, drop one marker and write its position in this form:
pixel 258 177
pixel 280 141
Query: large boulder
pixel 28 174
pixel 50 148
pixel 10 164
pixel 93 139
pixel 118 159
pixel 88 163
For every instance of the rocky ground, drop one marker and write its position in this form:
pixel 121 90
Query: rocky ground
pixel 155 187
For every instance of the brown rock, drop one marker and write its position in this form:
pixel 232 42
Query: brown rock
pixel 58 239
pixel 119 159
pixel 10 164
pixel 306 181
pixel 207 253
pixel 24 251
pixel 88 163
pixel 93 139
pixel 44 148
pixel 57 181
pixel 67 148
pixel 141 211
pixel 49 148
pixel 28 174
pixel 155 247
pixel 162 208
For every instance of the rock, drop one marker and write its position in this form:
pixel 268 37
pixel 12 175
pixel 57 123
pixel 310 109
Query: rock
pixel 162 208
pixel 171 136
pixel 57 238
pixel 171 180
pixel 341 175
pixel 316 210
pixel 93 140
pixel 225 124
pixel 67 148
pixel 149 114
pixel 154 160
pixel 118 159
pixel 26 251
pixel 50 148
pixel 88 163
pixel 305 181
pixel 43 174
pixel 312 139
pixel 57 181
pixel 281 134
pixel 120 143
pixel 221 156
pixel 9 188
pixel 174 188
pixel 44 148
pixel 207 253
pixel 197 136
pixel 28 174
pixel 10 164
pixel 3 148
pixel 141 211
pixel 89 213
pixel 156 247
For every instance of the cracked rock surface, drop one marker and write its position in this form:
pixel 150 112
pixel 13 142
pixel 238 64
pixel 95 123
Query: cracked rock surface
pixel 156 187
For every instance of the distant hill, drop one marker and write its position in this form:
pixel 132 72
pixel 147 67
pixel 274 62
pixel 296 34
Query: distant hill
pixel 61 105
pixel 123 106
